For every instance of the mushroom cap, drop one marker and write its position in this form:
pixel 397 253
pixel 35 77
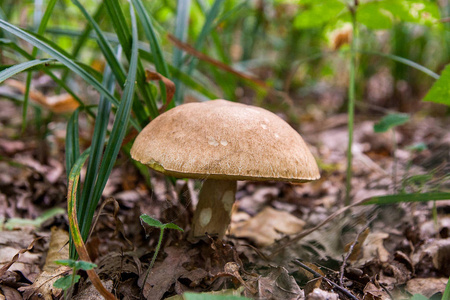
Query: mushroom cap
pixel 224 140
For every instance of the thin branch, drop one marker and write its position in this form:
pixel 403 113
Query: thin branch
pixel 317 275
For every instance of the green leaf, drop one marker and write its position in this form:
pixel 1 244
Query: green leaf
pixel 440 91
pixel 318 13
pixel 390 121
pixel 11 71
pixel 419 297
pixel 446 294
pixel 65 282
pixel 12 223
pixel 66 262
pixel 151 222
pixel 84 265
pixel 415 11
pixel 419 147
pixel 76 264
pixel 172 226
pixel 417 197
pixel 374 16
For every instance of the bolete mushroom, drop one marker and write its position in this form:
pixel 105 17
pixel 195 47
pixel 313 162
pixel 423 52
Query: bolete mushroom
pixel 221 142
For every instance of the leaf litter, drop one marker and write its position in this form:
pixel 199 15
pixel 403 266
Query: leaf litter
pixel 396 253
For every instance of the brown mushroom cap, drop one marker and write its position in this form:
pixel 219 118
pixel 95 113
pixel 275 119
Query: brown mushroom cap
pixel 224 140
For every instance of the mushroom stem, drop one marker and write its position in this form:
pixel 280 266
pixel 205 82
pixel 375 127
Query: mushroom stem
pixel 213 212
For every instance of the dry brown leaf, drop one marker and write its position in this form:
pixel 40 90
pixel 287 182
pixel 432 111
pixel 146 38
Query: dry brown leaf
pixel 426 286
pixel 10 293
pixel 439 251
pixel 278 284
pixel 313 282
pixel 319 294
pixel 267 226
pixel 58 103
pixel 166 273
pixel 373 248
pixel 170 86
pixel 57 249
pixel 19 259
pixel 358 246
pixel 373 292
pixel 42 287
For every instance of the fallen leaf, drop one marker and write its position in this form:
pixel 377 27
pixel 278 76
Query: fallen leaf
pixel 438 251
pixel 426 286
pixel 58 103
pixel 278 284
pixel 42 287
pixel 319 294
pixel 10 293
pixel 58 249
pixel 20 259
pixel 373 292
pixel 373 248
pixel 267 226
pixel 164 275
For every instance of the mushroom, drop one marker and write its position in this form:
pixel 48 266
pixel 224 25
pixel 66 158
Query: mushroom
pixel 221 142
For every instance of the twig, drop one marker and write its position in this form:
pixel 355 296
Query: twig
pixel 350 251
pixel 317 275
pixel 191 50
pixel 304 233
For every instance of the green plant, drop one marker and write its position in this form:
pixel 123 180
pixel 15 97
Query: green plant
pixel 156 223
pixel 386 123
pixel 67 282
pixel 446 295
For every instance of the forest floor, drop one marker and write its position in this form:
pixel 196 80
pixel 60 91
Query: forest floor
pixel 285 241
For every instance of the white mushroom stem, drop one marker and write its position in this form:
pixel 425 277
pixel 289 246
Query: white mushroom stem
pixel 213 212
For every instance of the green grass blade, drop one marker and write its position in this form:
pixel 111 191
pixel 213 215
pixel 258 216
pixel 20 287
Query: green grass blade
pixel 41 30
pixel 15 69
pixel 83 37
pixel 119 128
pixel 75 67
pixel 124 36
pixel 206 29
pixel 105 47
pixel 160 63
pixel 49 73
pixel 181 26
pixel 69 63
pixel 446 294
pixel 403 61
pixel 416 197
pixel 72 142
pixel 98 142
